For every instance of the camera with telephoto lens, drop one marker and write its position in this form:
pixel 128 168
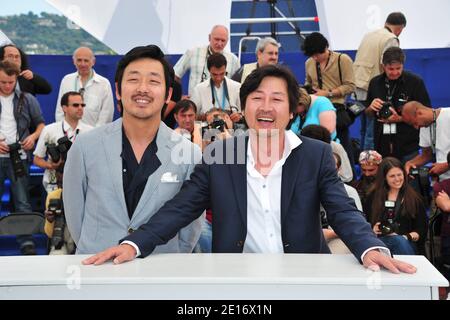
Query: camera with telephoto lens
pixel 385 111
pixel 388 225
pixel 59 150
pixel 55 206
pixel 16 162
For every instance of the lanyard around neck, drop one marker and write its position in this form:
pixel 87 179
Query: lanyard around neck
pixel 225 96
pixel 74 135
pixel 78 79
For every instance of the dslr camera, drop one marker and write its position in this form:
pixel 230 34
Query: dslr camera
pixel 55 206
pixel 210 131
pixel 218 124
pixel 16 162
pixel 388 225
pixel 59 150
pixel 385 111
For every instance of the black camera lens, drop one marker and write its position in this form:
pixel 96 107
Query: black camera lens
pixel 16 162
pixel 385 111
pixel 53 152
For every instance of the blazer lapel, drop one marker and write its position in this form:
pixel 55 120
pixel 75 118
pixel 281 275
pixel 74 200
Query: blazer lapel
pixel 239 178
pixel 289 176
pixel 112 142
pixel 154 179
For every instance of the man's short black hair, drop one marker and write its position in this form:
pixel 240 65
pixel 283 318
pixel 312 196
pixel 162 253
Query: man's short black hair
pixel 184 105
pixel 151 51
pixel 65 97
pixel 314 43
pixel 396 19
pixel 255 78
pixel 393 55
pixel 217 60
pixel 317 132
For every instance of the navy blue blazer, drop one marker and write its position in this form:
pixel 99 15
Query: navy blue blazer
pixel 309 178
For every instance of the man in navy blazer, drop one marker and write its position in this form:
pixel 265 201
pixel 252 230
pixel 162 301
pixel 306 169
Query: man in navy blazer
pixel 264 189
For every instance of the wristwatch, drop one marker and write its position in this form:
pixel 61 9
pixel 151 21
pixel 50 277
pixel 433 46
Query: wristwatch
pixel 330 94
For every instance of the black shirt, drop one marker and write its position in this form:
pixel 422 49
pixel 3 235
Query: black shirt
pixel 176 96
pixel 409 87
pixel 135 174
pixel 37 85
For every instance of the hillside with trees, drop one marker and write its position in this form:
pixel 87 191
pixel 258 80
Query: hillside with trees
pixel 48 34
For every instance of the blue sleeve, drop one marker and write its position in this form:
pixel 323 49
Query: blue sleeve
pixel 323 104
pixel 295 126
pixel 35 110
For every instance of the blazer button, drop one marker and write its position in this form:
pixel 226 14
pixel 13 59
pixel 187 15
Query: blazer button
pixel 286 245
pixel 130 230
pixel 240 243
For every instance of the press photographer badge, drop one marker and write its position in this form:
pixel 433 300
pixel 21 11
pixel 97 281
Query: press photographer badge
pixel 389 128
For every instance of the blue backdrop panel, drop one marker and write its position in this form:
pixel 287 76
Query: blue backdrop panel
pixel 433 65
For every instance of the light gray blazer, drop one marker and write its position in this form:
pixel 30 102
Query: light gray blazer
pixel 93 195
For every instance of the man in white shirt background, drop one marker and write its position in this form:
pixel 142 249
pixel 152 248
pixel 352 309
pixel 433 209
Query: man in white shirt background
pixel 70 127
pixel 219 91
pixel 95 90
pixel 195 59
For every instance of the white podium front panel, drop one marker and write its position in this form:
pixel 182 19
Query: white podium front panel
pixel 214 276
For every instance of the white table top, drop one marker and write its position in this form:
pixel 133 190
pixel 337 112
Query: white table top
pixel 213 269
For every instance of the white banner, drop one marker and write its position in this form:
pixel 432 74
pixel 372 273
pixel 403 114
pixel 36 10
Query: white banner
pixel 345 22
pixel 174 25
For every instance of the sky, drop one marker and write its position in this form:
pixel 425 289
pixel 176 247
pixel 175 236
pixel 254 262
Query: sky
pixel 24 6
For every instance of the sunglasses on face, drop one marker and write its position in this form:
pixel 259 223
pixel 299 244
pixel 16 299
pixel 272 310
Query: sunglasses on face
pixel 76 105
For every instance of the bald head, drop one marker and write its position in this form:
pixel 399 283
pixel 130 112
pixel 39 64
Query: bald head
pixel 218 38
pixel 84 60
pixel 417 115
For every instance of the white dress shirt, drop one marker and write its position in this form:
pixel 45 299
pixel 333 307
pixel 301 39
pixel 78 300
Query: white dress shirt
pixel 202 96
pixel 264 202
pixel 97 95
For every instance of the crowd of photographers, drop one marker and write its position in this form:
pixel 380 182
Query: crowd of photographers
pixel 401 133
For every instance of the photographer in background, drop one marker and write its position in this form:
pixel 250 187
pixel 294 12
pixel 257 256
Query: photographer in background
pixel 57 137
pixel 434 125
pixel 330 74
pixel 219 91
pixel 28 81
pixel 19 111
pixel 55 221
pixel 395 210
pixel 369 160
pixel 184 113
pixel 219 126
pixel 387 94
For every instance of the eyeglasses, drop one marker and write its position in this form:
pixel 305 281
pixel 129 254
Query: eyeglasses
pixel 76 105
pixel 81 92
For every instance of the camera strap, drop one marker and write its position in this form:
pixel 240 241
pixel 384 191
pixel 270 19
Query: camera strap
pixel 319 72
pixel 225 95
pixel 74 135
pixel 398 204
pixel 433 135
pixel 389 91
pixel 204 75
pixel 20 106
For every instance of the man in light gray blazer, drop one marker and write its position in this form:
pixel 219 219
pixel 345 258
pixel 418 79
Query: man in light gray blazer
pixel 118 175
